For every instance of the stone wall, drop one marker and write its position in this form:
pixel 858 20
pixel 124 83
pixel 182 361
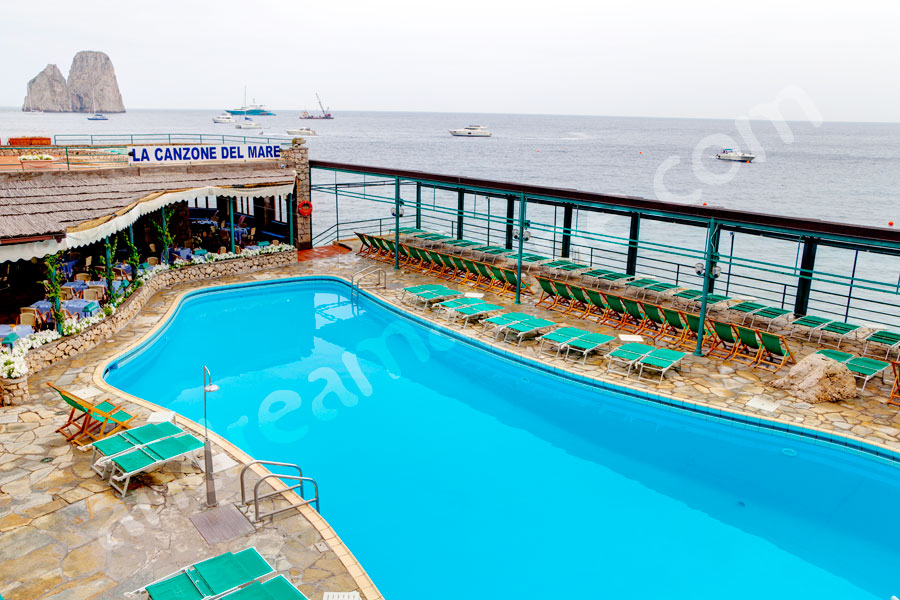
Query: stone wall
pixel 67 347
pixel 298 158
pixel 13 391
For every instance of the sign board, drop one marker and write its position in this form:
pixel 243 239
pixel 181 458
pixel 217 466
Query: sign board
pixel 140 155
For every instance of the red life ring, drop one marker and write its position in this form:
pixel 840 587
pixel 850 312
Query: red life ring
pixel 305 208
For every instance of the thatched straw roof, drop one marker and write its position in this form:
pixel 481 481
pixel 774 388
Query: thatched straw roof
pixel 34 204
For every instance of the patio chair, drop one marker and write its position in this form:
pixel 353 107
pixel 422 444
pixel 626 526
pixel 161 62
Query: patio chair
pixel 564 298
pixel 150 457
pixel 838 329
pixel 549 295
pixel 635 320
pixel 152 261
pixel 693 331
pixel 775 351
pixel 277 588
pixel 28 319
pixel 862 367
pixel 107 448
pixel 616 315
pixel 656 321
pixel 580 300
pixel 558 337
pixel 474 312
pixel 94 294
pixel 725 343
pixel 599 307
pixel 661 360
pixel 675 328
pixel 89 422
pixel 890 339
pixel 811 323
pixel 512 279
pixel 586 344
pixel 748 349
pixel 525 328
pixel 83 277
pixel 627 355
pixel 210 578
pixel 66 293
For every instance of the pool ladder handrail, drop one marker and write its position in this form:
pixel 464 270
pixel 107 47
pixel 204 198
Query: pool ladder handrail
pixel 256 497
pixel 358 277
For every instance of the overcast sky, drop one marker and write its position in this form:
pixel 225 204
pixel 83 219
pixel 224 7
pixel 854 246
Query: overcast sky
pixel 646 58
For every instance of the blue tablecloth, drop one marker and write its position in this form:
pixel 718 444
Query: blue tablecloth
pixel 43 307
pixel 239 232
pixel 81 308
pixel 78 286
pixel 250 247
pixel 125 267
pixel 101 283
pixel 204 221
pixel 68 267
pixel 184 253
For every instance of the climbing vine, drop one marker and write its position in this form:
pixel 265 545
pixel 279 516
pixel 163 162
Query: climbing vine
pixel 53 262
pixel 162 230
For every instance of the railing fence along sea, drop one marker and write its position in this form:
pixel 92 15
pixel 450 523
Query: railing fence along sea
pixel 844 272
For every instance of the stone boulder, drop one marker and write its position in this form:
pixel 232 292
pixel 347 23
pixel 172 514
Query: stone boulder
pixel 92 84
pixel 48 92
pixel 818 378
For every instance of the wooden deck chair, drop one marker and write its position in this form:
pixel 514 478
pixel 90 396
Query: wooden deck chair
pixel 725 340
pixel 655 323
pixel 775 351
pixel 599 308
pixel 693 331
pixel 617 313
pixel 581 299
pixel 512 279
pixel 565 301
pixel 635 320
pixel 749 349
pixel 894 398
pixel 549 296
pixel 675 328
pixel 89 422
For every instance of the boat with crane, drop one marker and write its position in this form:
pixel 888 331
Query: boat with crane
pixel 326 113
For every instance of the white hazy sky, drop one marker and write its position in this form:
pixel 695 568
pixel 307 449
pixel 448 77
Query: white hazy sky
pixel 643 58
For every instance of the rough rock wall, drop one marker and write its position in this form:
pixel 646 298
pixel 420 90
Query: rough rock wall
pixel 48 92
pixel 91 86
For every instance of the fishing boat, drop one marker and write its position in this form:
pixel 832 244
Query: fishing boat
pixel 247 123
pixel 729 154
pixel 471 131
pixel 301 131
pixel 326 113
pixel 223 118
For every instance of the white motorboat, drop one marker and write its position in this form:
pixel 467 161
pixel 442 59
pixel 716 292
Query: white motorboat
pixel 301 131
pixel 223 118
pixel 247 123
pixel 729 154
pixel 472 131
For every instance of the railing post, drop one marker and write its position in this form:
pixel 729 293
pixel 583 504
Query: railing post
pixel 567 231
pixel 510 213
pixel 634 232
pixel 852 280
pixel 711 236
pixel 396 223
pixel 460 207
pixel 290 212
pixel 521 242
pixel 804 282
pixel 418 205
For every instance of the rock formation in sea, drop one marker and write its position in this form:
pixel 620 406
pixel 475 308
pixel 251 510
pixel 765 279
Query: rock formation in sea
pixel 91 87
pixel 48 92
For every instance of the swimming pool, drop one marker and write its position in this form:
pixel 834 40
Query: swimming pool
pixel 452 471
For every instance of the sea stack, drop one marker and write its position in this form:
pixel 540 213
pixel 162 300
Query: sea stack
pixel 91 87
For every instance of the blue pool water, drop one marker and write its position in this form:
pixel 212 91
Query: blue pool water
pixel 450 471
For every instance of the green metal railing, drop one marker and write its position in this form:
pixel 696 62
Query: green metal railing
pixel 857 277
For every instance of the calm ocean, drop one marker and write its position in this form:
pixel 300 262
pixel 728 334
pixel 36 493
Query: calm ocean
pixel 846 172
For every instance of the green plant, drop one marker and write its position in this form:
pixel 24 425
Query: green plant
pixel 108 310
pixel 53 263
pixel 162 230
pixel 110 247
pixel 134 261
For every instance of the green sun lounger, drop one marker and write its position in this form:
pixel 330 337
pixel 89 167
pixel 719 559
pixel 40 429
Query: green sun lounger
pixel 150 457
pixel 890 339
pixel 586 344
pixel 839 329
pixel 277 588
pixel 770 314
pixel 420 288
pixel 104 450
pixel 496 324
pixel 746 309
pixel 473 312
pixel 627 355
pixel 661 360
pixel 558 337
pixel 659 289
pixel 862 367
pixel 811 323
pixel 525 328
pixel 211 578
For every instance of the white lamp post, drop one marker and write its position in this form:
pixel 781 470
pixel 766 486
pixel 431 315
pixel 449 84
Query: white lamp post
pixel 208 386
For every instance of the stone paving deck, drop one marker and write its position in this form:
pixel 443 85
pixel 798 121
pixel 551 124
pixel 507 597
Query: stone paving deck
pixel 63 534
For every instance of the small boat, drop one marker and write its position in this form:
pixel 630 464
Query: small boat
pixel 223 118
pixel 251 109
pixel 472 131
pixel 729 154
pixel 326 113
pixel 301 131
pixel 98 117
pixel 248 123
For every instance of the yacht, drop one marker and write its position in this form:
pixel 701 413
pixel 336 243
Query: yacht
pixel 98 117
pixel 223 118
pixel 251 109
pixel 472 131
pixel 301 131
pixel 248 123
pixel 729 154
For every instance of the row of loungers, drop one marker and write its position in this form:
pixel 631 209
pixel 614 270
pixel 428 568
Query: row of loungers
pixel 232 576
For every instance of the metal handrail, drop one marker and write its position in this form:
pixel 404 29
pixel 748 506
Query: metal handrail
pixel 264 462
pixel 257 497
